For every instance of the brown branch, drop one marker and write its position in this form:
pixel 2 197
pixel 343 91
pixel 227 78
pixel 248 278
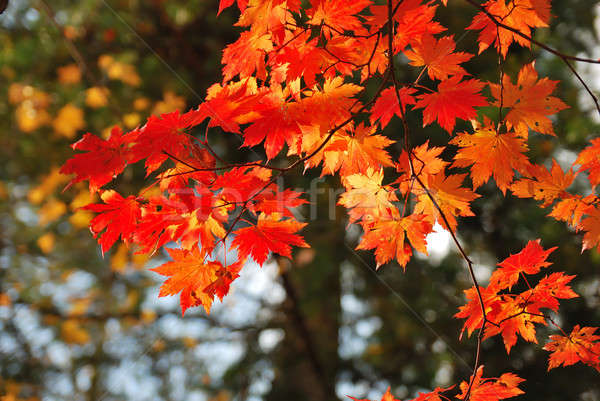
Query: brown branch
pixel 433 200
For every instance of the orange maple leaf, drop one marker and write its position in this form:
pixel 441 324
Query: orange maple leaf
pixel 233 104
pixel 546 185
pixel 425 161
pixel 337 15
pixel 582 345
pixel 490 154
pixel 189 274
pixel 352 154
pixel 589 159
pixel 493 389
pixel 438 56
pixel 387 237
pixel 512 318
pixel 522 15
pixel 367 198
pixel 452 199
pixel 434 395
pixel 529 101
pixel 591 226
pixel 103 160
pixel 572 208
pixel 278 124
pixel 247 55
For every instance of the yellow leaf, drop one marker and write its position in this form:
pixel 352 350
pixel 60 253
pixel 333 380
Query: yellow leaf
pixel 139 260
pixel 123 72
pixel 80 306
pixel 68 121
pixel 51 211
pixel 46 242
pixel 170 102
pixel 141 103
pixel 69 74
pixel 47 186
pixel 30 118
pixel 148 316
pixel 119 259
pixel 81 219
pixel 131 120
pixel 96 97
pixel 72 332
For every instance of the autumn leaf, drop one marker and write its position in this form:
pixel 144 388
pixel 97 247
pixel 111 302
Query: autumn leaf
pixel 438 56
pixel 490 154
pixel 512 319
pixel 582 345
pixel 452 199
pixel 117 217
pixel 233 104
pixel 529 261
pixel 279 123
pixel 387 104
pixel 270 234
pixel 276 201
pixel 472 311
pixel 247 55
pixel 366 196
pixel 434 395
pixel 493 389
pixel 387 237
pixel 189 274
pixel 591 226
pixel 571 209
pixel 354 153
pixel 337 15
pixel 223 4
pixel 426 162
pixel 103 160
pixel 529 101
pixel 545 185
pixel 522 15
pixel 589 160
pixel 163 136
pixel 453 99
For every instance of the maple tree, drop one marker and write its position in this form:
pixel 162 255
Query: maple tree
pixel 297 79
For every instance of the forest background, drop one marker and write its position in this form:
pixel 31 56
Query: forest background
pixel 78 326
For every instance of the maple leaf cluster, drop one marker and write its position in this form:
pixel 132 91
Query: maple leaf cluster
pixel 294 83
pixel 511 315
pixel 477 388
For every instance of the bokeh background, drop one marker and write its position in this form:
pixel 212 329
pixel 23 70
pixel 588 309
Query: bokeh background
pixel 76 325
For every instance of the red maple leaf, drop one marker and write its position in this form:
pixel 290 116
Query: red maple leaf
pixel 387 104
pixel 103 160
pixel 270 234
pixel 117 217
pixel 529 261
pixel 453 99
